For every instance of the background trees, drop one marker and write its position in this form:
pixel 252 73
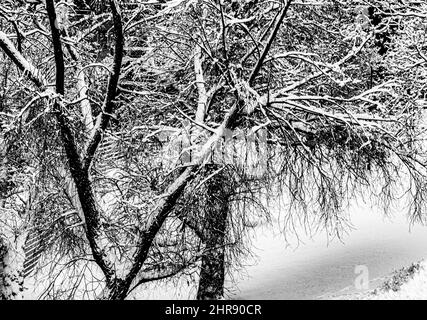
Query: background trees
pixel 122 128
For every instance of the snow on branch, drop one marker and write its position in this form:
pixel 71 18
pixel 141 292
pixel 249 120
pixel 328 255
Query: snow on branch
pixel 23 64
pixel 269 43
pixel 109 104
pixel 200 83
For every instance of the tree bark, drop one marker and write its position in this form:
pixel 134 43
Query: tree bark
pixel 11 280
pixel 212 273
pixel 3 256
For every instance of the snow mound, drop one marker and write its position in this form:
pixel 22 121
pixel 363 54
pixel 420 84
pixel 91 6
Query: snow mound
pixel 413 286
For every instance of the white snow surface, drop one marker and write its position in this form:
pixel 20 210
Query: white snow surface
pixel 314 268
pixel 414 289
pixel 317 269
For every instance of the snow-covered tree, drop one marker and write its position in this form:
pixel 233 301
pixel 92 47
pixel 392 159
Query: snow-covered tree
pixel 121 123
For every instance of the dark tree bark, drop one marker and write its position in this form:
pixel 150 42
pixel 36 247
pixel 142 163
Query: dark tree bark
pixel 3 253
pixel 212 273
pixel 217 207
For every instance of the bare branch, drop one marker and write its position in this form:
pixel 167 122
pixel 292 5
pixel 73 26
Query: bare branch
pixel 109 104
pixel 269 43
pixel 29 70
pixel 200 83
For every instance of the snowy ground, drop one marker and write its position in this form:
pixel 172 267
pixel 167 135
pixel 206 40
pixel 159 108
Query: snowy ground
pixel 414 288
pixel 408 283
pixel 318 270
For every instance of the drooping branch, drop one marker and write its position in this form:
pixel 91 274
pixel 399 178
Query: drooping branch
pixel 351 54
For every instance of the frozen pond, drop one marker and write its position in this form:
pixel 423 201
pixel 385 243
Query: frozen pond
pixel 316 269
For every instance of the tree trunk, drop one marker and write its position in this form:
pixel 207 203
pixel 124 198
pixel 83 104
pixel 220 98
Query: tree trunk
pixel 11 281
pixel 116 289
pixel 212 273
pixel 3 257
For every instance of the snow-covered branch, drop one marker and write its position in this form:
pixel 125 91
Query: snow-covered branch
pixel 109 103
pixel 23 64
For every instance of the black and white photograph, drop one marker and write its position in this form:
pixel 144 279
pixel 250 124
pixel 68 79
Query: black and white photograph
pixel 221 150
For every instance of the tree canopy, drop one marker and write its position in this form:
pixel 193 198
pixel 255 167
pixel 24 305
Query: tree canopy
pixel 139 138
